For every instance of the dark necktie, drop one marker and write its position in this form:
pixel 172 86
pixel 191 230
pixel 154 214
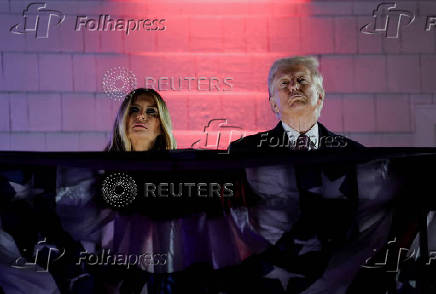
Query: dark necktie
pixel 302 143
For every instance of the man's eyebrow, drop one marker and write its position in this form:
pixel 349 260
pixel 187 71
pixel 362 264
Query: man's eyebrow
pixel 300 73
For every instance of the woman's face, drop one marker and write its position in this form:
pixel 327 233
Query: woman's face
pixel 143 124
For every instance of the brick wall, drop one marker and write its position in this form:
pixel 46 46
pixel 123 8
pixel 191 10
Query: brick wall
pixel 52 99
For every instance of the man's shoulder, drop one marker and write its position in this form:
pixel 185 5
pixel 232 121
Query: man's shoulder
pixel 270 140
pixel 353 145
pixel 328 139
pixel 250 143
pixel 275 138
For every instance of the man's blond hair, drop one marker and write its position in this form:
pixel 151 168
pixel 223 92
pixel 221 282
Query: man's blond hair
pixel 308 61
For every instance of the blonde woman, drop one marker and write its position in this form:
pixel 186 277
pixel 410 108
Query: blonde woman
pixel 143 123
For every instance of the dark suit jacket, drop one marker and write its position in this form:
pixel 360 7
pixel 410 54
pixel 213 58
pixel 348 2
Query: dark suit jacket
pixel 276 140
pixel 331 221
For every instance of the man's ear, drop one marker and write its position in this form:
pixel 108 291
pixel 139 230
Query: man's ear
pixel 273 104
pixel 321 96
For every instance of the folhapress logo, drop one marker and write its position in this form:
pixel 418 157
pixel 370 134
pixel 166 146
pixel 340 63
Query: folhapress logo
pixel 388 20
pixel 38 19
pixel 218 134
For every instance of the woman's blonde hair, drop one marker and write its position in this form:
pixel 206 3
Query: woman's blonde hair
pixel 119 140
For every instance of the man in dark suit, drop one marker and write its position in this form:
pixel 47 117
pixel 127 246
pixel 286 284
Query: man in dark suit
pixel 296 96
pixel 324 216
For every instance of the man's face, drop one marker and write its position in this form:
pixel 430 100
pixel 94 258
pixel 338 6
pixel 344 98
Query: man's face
pixel 295 94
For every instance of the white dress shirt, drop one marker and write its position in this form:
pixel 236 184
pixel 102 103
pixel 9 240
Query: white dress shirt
pixel 313 135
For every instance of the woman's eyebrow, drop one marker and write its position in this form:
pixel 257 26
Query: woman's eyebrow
pixel 137 105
